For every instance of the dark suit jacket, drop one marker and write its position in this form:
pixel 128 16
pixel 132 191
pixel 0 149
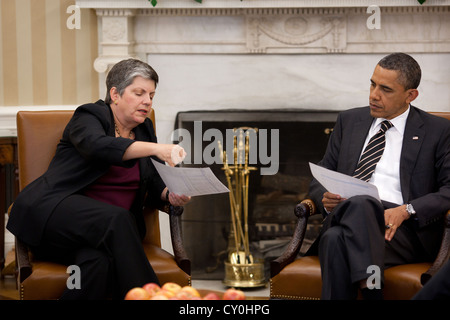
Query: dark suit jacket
pixel 424 165
pixel 87 148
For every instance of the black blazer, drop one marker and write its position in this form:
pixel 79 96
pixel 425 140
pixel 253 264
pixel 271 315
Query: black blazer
pixel 87 148
pixel 424 165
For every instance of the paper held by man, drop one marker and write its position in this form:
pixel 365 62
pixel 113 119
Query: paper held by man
pixel 342 184
pixel 190 181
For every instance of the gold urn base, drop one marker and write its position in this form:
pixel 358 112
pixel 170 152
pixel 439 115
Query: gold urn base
pixel 241 275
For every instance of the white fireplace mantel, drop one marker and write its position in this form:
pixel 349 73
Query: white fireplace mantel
pixel 252 32
pixel 142 4
pixel 305 47
pixel 137 29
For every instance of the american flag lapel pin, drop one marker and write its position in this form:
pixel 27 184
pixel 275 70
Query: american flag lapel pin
pixel 415 138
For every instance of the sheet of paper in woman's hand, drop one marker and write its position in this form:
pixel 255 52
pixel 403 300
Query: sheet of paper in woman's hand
pixel 342 184
pixel 190 181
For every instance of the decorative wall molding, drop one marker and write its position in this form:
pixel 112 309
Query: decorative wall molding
pixel 296 32
pixel 136 29
pixel 117 37
pixel 291 30
pixel 253 3
pixel 281 10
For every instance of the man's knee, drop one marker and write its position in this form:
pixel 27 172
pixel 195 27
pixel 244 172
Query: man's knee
pixel 360 208
pixel 331 238
pixel 364 201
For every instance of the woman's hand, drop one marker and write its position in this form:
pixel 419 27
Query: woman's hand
pixel 170 153
pixel 173 198
pixel 178 200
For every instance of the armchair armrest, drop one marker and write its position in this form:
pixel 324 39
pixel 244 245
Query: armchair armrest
pixel 302 211
pixel 443 254
pixel 181 257
pixel 23 264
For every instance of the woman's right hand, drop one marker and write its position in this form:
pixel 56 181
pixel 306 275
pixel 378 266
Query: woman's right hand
pixel 170 153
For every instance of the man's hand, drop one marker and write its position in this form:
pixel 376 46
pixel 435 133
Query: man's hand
pixel 393 219
pixel 331 200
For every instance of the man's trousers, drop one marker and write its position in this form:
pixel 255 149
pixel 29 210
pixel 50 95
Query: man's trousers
pixel 352 240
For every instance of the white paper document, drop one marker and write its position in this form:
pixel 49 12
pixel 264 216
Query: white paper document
pixel 190 181
pixel 342 184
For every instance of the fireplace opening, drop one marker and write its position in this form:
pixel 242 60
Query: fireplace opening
pixel 293 138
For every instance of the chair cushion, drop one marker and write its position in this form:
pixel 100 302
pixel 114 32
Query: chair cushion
pixel 403 282
pixel 299 280
pixel 48 280
pixel 302 280
pixel 165 267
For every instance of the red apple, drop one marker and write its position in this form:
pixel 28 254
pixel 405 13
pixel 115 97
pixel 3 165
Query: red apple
pixel 190 291
pixel 167 293
pixel 152 288
pixel 171 287
pixel 233 294
pixel 137 294
pixel 183 295
pixel 211 296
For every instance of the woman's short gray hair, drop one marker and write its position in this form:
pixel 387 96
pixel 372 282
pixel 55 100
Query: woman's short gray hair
pixel 123 73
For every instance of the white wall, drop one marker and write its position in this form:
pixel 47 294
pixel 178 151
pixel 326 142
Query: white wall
pixel 322 82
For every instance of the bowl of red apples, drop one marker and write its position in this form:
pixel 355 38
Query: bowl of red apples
pixel 173 291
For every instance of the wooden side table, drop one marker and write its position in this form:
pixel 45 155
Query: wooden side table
pixel 9 185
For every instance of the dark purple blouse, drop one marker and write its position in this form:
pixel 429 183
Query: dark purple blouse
pixel 117 187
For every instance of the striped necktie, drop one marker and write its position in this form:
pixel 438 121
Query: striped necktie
pixel 372 153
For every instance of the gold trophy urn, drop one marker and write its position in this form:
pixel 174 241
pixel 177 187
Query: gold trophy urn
pixel 241 268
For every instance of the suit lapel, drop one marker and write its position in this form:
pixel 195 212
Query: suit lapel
pixel 413 138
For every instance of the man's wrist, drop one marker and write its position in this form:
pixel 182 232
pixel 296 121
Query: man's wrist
pixel 410 210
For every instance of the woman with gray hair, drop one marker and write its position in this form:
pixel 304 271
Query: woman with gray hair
pixel 86 209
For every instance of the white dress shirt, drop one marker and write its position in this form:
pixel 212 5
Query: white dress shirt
pixel 387 172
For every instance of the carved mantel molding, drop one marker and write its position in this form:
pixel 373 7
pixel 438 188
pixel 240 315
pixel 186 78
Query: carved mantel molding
pixel 258 4
pixel 136 29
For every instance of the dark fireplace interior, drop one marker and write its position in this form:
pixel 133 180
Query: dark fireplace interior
pixel 206 221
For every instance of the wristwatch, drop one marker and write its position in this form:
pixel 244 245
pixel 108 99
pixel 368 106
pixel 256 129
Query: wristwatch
pixel 167 195
pixel 410 209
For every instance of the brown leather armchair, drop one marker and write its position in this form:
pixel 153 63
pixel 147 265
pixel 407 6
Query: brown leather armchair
pixel 299 278
pixel 38 133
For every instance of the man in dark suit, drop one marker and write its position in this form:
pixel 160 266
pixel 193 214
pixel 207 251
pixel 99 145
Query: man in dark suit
pixel 412 176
